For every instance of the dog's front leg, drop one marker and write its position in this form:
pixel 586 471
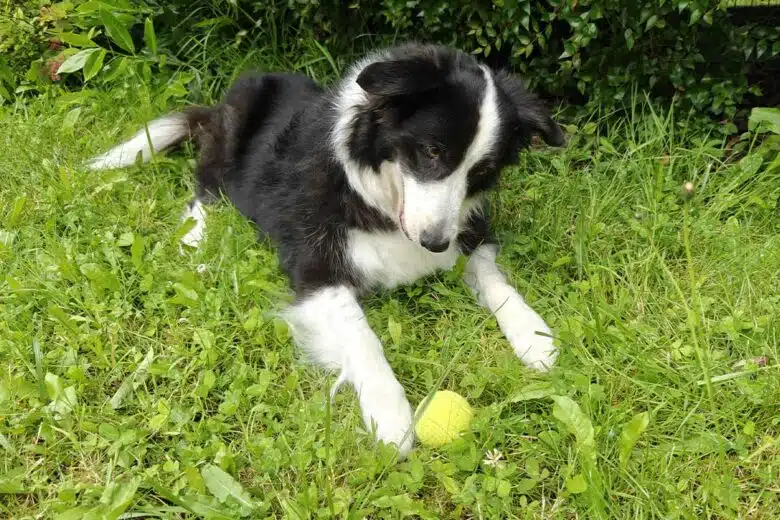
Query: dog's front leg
pixel 525 330
pixel 329 325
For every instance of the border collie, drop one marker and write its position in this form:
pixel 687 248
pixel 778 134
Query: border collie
pixel 374 182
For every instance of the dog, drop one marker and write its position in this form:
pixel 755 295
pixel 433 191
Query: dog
pixel 375 181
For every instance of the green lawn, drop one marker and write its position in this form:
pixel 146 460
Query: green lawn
pixel 137 381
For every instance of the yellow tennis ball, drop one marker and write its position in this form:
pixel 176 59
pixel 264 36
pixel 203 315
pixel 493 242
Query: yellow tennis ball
pixel 447 416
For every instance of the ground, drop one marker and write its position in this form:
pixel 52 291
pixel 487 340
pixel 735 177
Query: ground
pixel 135 380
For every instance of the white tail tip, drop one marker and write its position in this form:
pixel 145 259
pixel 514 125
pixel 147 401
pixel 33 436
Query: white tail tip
pixel 155 137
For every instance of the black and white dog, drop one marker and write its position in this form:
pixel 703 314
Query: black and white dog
pixel 377 181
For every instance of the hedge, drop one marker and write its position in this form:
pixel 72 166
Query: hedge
pixel 694 51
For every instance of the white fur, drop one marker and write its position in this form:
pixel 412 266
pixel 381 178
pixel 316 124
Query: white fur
pixel 162 133
pixel 331 328
pixel 437 205
pixel 197 213
pixel 434 206
pixel 426 205
pixel 389 259
pixel 516 319
pixel 378 191
pixel 329 325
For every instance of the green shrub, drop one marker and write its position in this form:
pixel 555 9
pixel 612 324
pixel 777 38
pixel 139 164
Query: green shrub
pixel 28 48
pixel 599 50
pixel 689 49
pixel 21 38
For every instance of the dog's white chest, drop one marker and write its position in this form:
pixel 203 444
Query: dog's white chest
pixel 389 259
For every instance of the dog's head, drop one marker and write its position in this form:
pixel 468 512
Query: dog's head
pixel 423 130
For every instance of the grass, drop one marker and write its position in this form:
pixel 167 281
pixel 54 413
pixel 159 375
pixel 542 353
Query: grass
pixel 137 381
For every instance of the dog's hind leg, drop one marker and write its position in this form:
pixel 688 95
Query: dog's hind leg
pixel 330 327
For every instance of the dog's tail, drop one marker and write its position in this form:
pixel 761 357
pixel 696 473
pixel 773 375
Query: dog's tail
pixel 157 136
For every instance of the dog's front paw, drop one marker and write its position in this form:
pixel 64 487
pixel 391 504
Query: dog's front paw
pixel 387 413
pixel 532 340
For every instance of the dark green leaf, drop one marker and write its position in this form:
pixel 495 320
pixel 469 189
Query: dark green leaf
pixel 71 118
pixel 125 239
pixel 103 278
pixel 63 318
pixel 117 68
pixel 196 504
pixel 651 22
pixel 184 295
pixel 77 61
pixel 118 497
pixel 137 377
pixel 149 37
pixel 395 330
pixel 576 422
pixel 292 509
pixel 137 251
pixel 194 479
pixel 764 118
pixel 94 64
pixel 75 39
pixel 533 391
pixel 576 484
pixel 750 164
pixel 223 486
pixel 503 488
pixel 14 216
pixel 75 513
pixel 631 433
pixel 116 31
pixel 12 481
pixel 108 431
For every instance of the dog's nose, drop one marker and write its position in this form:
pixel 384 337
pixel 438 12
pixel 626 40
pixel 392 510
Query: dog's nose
pixel 434 241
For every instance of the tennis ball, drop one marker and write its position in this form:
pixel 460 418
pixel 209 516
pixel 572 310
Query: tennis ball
pixel 447 416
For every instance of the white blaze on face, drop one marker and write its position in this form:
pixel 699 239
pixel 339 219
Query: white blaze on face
pixel 434 208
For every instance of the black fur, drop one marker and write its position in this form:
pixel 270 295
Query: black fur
pixel 268 147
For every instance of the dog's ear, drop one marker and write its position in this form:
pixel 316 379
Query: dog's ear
pixel 532 115
pixel 401 77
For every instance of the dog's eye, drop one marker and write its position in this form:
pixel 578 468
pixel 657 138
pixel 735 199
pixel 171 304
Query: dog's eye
pixel 480 171
pixel 432 151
